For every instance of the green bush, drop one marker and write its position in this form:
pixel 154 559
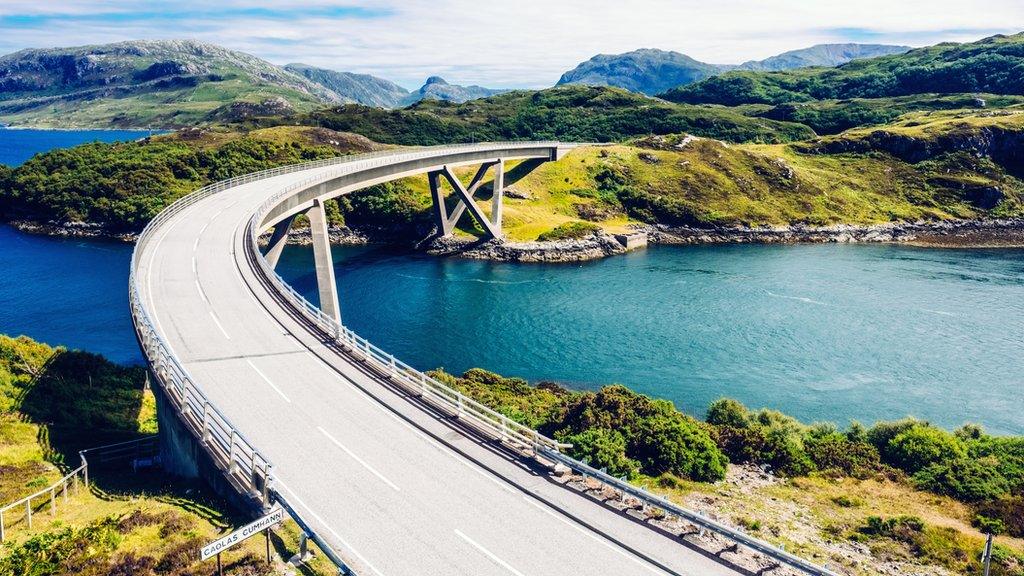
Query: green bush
pixel 604 448
pixel 569 231
pixel 727 412
pixel 920 446
pixel 964 479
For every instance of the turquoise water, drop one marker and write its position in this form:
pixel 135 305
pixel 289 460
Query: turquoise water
pixel 17 146
pixel 823 332
pixel 70 292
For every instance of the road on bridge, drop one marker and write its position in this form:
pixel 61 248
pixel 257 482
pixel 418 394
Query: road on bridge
pixel 396 489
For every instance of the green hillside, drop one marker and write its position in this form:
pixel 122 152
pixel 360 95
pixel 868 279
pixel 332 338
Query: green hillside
pixel 571 113
pixel 994 65
pixel 924 166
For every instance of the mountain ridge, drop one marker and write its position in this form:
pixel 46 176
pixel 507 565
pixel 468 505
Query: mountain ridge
pixel 652 71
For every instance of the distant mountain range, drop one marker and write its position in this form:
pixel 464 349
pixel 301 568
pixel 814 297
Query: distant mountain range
pixel 652 71
pixel 171 83
pixel 174 83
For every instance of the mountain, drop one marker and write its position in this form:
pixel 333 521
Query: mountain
pixel 361 88
pixel 994 65
pixel 436 88
pixel 823 55
pixel 142 83
pixel 651 71
pixel 648 71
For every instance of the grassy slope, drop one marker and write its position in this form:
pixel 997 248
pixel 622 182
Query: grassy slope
pixel 768 185
pixel 124 522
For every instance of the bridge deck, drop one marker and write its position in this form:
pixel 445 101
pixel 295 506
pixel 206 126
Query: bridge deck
pixel 398 490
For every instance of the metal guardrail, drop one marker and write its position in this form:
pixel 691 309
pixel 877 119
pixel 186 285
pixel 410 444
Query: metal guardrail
pixel 240 459
pixel 695 518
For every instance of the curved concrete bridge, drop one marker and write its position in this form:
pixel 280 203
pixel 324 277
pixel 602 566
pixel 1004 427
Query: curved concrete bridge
pixel 394 473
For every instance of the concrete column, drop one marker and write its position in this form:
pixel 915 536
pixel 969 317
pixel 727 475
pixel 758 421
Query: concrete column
pixel 324 263
pixel 497 199
pixel 444 225
pixel 278 240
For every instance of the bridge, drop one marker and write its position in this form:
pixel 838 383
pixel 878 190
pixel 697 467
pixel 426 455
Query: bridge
pixel 276 402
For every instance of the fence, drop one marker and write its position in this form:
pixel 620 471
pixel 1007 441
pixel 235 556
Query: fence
pixel 76 478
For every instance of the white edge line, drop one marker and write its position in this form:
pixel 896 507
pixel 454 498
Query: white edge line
pixel 217 322
pixel 488 553
pixel 267 380
pixel 358 459
pixel 329 529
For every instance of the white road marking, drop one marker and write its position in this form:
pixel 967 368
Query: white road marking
pixel 489 554
pixel 329 529
pixel 201 293
pixel 267 380
pixel 429 440
pixel 358 459
pixel 591 535
pixel 217 322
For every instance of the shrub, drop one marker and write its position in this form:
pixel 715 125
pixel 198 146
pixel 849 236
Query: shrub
pixel 727 412
pixel 833 451
pixel 569 231
pixel 1010 511
pixel 921 446
pixel 604 448
pixel 657 435
pixel 964 479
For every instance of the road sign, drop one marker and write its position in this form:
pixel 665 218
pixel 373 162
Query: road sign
pixel 216 547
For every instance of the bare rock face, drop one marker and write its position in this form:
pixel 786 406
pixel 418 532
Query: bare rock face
pixel 276 106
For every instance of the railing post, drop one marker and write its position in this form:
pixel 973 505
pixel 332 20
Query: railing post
pixel 461 405
pixel 28 513
pixel 53 502
pixel 2 534
pixel 206 422
pixel 85 475
pixel 232 466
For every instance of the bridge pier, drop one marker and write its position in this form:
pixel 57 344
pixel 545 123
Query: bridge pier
pixel 325 283
pixel 278 240
pixel 446 222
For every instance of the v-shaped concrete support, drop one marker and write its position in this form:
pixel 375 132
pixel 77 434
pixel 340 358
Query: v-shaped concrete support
pixel 446 221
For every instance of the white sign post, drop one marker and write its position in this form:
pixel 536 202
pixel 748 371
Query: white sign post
pixel 238 536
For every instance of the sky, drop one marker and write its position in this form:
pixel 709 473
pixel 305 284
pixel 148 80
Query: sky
pixel 513 43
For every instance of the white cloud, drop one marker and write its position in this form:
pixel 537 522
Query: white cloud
pixel 513 43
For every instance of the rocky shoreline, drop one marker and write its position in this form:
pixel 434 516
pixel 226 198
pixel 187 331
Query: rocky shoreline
pixel 1005 233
